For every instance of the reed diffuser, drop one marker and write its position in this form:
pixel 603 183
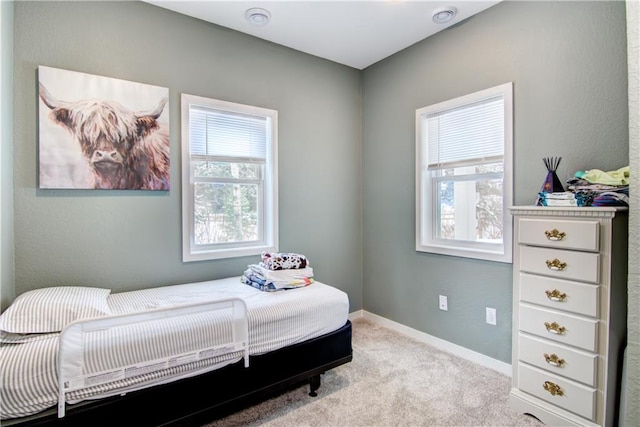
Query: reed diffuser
pixel 551 183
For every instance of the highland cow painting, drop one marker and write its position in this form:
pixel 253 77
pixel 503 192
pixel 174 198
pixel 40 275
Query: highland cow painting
pixel 101 133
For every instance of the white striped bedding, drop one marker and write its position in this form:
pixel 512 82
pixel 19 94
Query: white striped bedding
pixel 276 319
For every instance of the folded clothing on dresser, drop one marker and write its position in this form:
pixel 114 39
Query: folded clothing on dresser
pixel 598 188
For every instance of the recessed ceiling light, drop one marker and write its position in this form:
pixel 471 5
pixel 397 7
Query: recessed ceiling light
pixel 258 16
pixel 443 15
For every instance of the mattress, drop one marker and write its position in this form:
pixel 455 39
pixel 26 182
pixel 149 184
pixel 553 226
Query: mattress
pixel 275 320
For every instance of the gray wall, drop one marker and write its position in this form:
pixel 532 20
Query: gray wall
pixel 567 62
pixel 130 240
pixel 632 404
pixel 6 154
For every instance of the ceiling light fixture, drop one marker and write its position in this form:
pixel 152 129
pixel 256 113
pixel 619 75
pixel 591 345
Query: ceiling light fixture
pixel 258 16
pixel 443 15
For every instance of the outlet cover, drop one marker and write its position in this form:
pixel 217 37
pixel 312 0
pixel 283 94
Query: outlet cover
pixel 491 316
pixel 442 303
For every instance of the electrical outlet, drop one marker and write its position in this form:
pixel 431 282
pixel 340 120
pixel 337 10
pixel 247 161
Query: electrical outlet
pixel 442 303
pixel 491 316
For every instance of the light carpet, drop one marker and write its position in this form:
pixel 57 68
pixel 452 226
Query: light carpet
pixel 393 380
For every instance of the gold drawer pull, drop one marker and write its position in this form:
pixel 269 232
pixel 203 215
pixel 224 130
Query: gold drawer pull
pixel 555 235
pixel 554 360
pixel 554 328
pixel 552 388
pixel 556 265
pixel 556 295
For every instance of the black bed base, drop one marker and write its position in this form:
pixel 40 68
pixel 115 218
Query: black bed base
pixel 207 397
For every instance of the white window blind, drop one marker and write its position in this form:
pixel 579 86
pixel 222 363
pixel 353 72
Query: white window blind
pixel 467 135
pixel 227 134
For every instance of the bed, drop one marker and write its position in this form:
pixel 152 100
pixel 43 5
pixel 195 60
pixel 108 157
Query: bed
pixel 174 355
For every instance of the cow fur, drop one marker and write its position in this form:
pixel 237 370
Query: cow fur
pixel 125 149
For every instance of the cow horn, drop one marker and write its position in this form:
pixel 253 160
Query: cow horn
pixel 156 111
pixel 49 100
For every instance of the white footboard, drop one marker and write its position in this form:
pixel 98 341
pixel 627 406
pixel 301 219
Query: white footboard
pixel 73 376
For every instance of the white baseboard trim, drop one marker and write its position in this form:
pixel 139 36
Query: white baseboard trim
pixel 356 315
pixel 463 352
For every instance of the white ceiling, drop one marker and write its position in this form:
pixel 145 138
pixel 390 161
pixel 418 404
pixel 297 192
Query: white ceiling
pixel 356 33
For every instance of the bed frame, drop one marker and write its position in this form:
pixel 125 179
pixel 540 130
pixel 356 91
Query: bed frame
pixel 209 396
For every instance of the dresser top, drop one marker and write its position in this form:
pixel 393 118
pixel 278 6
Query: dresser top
pixel 590 211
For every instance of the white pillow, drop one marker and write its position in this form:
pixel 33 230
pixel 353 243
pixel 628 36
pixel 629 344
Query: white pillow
pixel 51 309
pixel 6 338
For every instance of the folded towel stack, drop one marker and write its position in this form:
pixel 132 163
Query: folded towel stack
pixel 279 271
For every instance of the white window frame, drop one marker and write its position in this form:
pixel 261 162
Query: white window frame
pixel 426 196
pixel 268 202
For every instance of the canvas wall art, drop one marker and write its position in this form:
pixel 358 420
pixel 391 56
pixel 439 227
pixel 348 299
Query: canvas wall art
pixel 101 133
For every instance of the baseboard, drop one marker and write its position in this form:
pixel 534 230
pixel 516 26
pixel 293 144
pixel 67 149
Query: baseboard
pixel 463 352
pixel 356 315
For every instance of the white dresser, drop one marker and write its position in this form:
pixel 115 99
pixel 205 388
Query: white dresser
pixel 569 313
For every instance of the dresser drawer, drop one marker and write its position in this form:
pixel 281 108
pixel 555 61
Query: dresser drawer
pixel 568 362
pixel 570 395
pixel 572 265
pixel 582 235
pixel 560 294
pixel 563 328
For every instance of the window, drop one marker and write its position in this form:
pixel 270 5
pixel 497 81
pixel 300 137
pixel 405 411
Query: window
pixel 464 176
pixel 229 179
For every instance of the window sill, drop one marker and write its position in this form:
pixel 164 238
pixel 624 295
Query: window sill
pixel 464 252
pixel 206 255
